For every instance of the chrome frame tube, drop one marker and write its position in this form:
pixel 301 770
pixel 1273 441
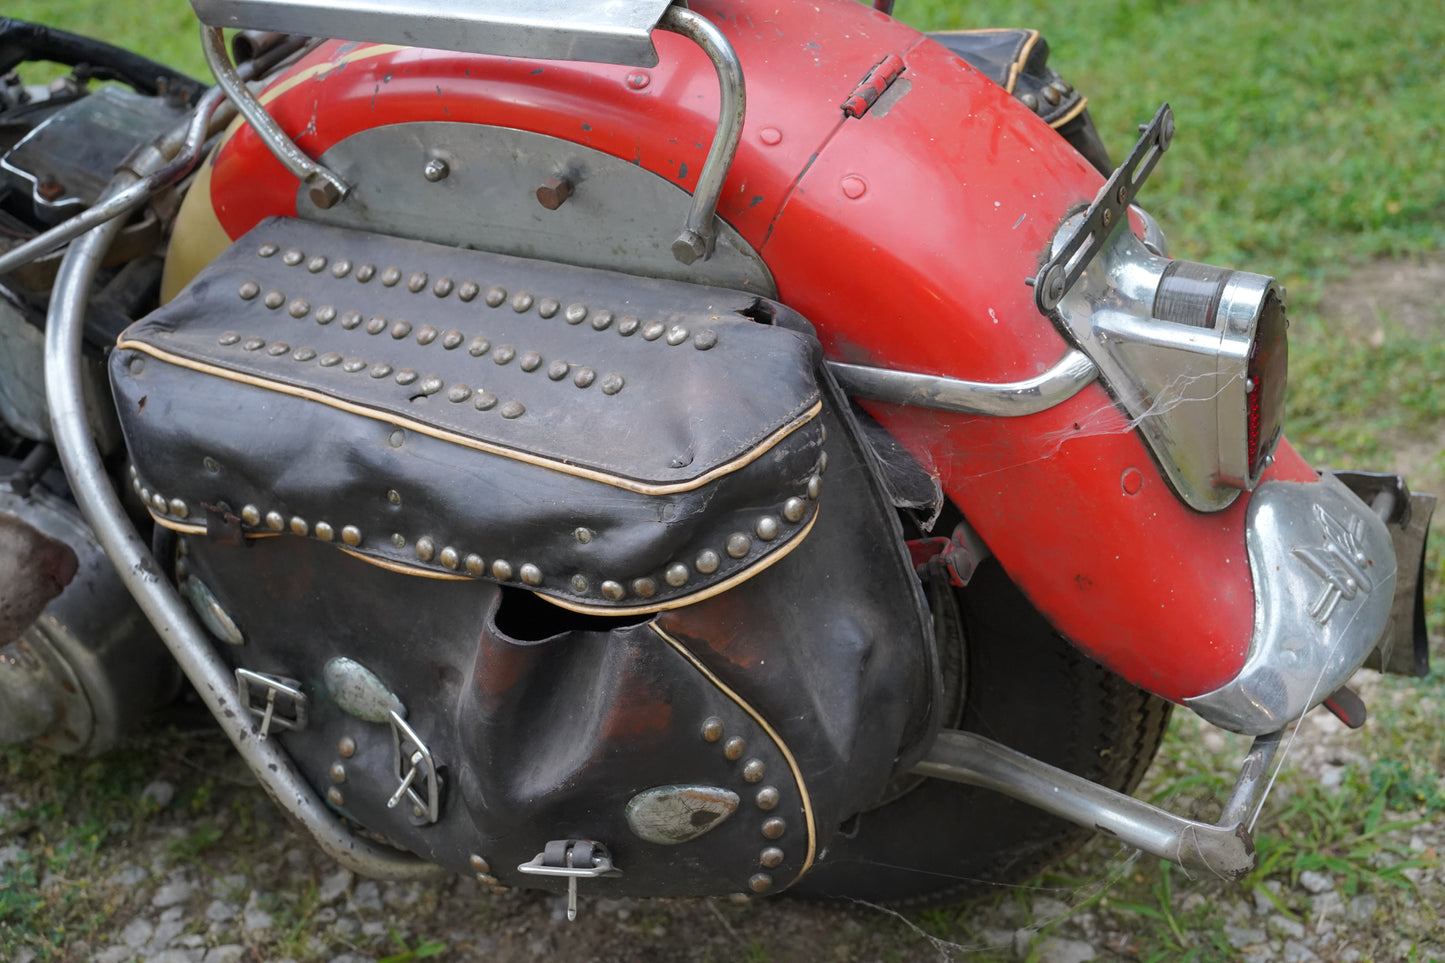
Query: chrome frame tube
pixel 698 236
pixel 1003 399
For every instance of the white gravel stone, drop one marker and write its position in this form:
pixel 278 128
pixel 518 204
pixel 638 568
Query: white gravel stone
pixel 1055 950
pixel 175 956
pixel 227 953
pixel 129 877
pixel 233 885
pixel 334 886
pixel 166 931
pixel 1241 936
pixel 1284 926
pixel 375 928
pixel 401 895
pixel 158 794
pixel 253 918
pixel 1363 909
pixel 173 914
pixel 1262 903
pixel 115 954
pixel 1296 952
pixel 191 941
pixel 11 820
pixel 172 893
pixel 1316 882
pixel 220 911
pixel 11 854
pixel 366 896
pixel 137 933
pixel 1046 909
pixel 351 958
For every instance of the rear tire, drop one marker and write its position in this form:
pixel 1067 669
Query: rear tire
pixel 1028 688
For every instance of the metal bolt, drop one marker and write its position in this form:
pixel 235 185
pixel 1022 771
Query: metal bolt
pixel 436 169
pixel 553 192
pixel 49 189
pixel 324 194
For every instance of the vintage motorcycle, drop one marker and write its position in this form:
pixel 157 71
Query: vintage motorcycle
pixel 671 450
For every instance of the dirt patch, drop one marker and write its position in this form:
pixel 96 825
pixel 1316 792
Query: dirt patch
pixel 1400 294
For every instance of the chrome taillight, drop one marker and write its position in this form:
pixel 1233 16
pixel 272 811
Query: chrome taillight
pixel 1197 355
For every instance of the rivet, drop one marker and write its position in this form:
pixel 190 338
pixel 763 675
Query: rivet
pixel 676 335
pixel 474 564
pixel 317 264
pixel 398 540
pixel 376 324
pixel 531 361
pixel 390 276
pixel 382 370
pixel 253 344
pixel 452 340
pixel 770 136
pixel 602 319
pixel 579 584
pixel 653 330
pixel 406 376
pixel 754 770
pixel 548 307
pixel 676 575
pixel 443 287
pixel 504 354
pixel 324 531
pixel 436 169
pixel 480 865
pixel 292 257
pixel 707 561
pixel 767 528
pixel 627 327
pixel 329 360
pixel 613 383
pixel 299 525
pixel 396 438
pixel 159 502
pixel 1051 95
pixel 734 747
pixel 352 365
pixel 644 587
pixel 513 409
pixel 456 394
pixel 479 347
pixel 815 487
pixel 794 509
pixel 770 858
pixel 145 494
pixel 638 79
pixel 575 313
pixel 502 569
pixel 822 462
pixel 1106 216
pixel 739 545
pixel 278 349
pixel 522 302
pixel 251 515
pixel 400 330
pixel 557 370
pixel 584 377
pixel 767 798
pixel 248 290
pixel 275 521
pixel 299 308
pixel 340 267
pixel 496 294
pixel 268 249
pixel 449 558
pixel 486 401
pixel 854 187
pixel 530 574
pixel 209 463
pixel 351 535
pixel 347 747
pixel 613 590
pixel 1031 102
pixel 469 290
pixel 325 314
pixel 426 549
pixel 416 281
pixel 350 319
pixel 760 883
pixel 334 795
pixel 554 192
pixel 583 534
pixel 773 827
pixel 365 273
pixel 338 772
pixel 229 338
pixel 705 339
pixel 712 729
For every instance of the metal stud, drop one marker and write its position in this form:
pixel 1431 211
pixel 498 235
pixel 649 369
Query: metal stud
pixel 334 796
pixel 396 439
pixel 365 273
pixel 739 545
pixel 773 827
pixel 275 521
pixel 299 308
pixel 583 534
pixel 469 290
pixel 324 531
pixel 416 281
pixel 548 307
pixel 557 370
pixel 160 503
pixel 760 883
pixel 329 360
pixel 502 569
pixel 579 584
pixel 436 169
pixel 707 561
pixel 794 509
pixel 337 772
pixel 400 330
pixel 479 347
pixel 676 335
pixel 613 383
pixel 513 409
pixel 1051 95
pixel 452 340
pixel 584 377
pixel 456 394
pixel 770 858
pixel 299 525
pixel 449 558
pixel 277 349
pixel 180 509
pixel 430 385
pixel 426 549
pixel 822 462
pixel 382 370
pixel 443 287
pixel 644 587
pixel 317 264
pixel 426 334
pixel 350 319
pixel 1031 102
pixel 627 327
pixel 268 249
pixel 480 865
pixel 754 770
pixel 390 276
pixel 575 313
pixel 292 257
pixel 733 749
pixel 613 590
pixel 274 299
pixel 676 575
pixel 393 496
pixel 406 376
pixel 486 401
pixel 522 302
pixel 712 729
pixel 249 290
pixel 530 574
pixel 504 354
pixel 602 320
pixel 352 365
pixel 229 338
pixel 705 340
pixel 474 564
pixel 496 294
pixel 767 528
pixel 347 747
pixel 652 330
pixel 767 798
pixel 531 361
pixel 398 540
pixel 815 487
pixel 325 314
pixel 145 494
pixel 251 515
pixel 340 267
pixel 376 324
pixel 351 535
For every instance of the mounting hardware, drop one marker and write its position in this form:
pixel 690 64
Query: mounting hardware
pixel 572 859
pixel 417 771
pixel 277 700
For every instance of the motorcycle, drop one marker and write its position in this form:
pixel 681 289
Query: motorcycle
pixel 674 450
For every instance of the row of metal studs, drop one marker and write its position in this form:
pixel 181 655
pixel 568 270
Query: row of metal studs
pixel 766 799
pixel 251 517
pixel 452 559
pixel 175 507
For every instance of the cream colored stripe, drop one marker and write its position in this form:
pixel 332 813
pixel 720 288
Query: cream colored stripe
pixel 772 734
pixel 1078 109
pixel 390 418
pixel 401 568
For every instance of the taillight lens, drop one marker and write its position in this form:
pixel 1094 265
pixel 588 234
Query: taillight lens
pixel 1267 374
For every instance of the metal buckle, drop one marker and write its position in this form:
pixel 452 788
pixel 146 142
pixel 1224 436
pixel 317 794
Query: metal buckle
pixel 278 701
pixel 417 771
pixel 572 859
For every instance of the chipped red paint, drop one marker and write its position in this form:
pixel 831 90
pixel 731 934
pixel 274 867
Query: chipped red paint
pixel 905 237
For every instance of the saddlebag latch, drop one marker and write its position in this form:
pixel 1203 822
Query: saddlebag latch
pixel 277 700
pixel 572 859
pixel 416 771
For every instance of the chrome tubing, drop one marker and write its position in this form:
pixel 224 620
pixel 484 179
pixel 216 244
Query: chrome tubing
pixel 1002 399
pixel 699 236
pixel 1225 851
pixel 157 598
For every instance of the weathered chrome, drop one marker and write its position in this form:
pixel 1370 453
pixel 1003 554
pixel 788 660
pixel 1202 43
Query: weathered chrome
pixel 754 770
pixel 1324 582
pixel 278 702
pixel 324 187
pixel 614 33
pixel 734 748
pixel 767 798
pixel 698 235
pixel 1003 399
pixel 619 216
pixel 417 771
pixel 1225 850
pixel 770 858
pixel 547 863
pixel 669 815
pixel 774 827
pixel 212 615
pixel 358 691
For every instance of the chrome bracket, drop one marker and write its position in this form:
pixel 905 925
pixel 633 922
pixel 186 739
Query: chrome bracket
pixel 571 859
pixel 276 700
pixel 416 771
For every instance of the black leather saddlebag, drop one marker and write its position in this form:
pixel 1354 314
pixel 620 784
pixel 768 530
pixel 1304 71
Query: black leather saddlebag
pixel 601 558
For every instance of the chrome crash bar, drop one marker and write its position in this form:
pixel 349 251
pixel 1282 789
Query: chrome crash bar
pixel 1224 850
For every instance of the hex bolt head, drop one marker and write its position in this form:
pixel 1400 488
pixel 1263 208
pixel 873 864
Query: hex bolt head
pixel 324 194
pixel 553 192
pixel 436 169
